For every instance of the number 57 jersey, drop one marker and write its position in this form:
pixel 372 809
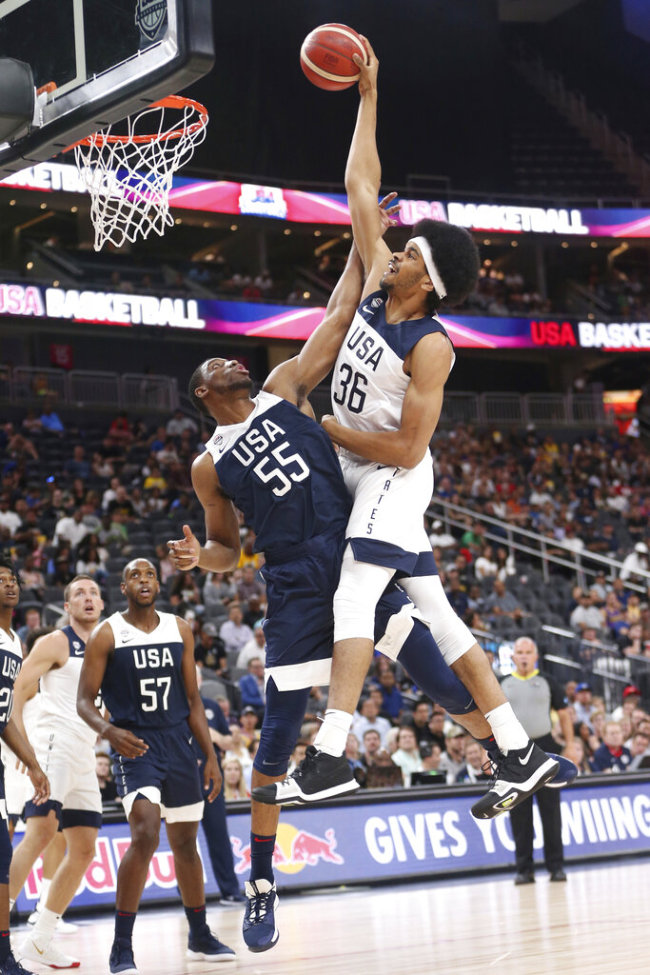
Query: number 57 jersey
pixel 280 469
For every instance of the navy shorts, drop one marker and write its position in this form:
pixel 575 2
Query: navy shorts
pixel 299 628
pixel 169 768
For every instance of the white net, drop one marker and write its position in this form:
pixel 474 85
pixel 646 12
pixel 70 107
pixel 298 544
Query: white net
pixel 129 176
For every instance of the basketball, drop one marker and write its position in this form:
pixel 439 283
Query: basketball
pixel 326 56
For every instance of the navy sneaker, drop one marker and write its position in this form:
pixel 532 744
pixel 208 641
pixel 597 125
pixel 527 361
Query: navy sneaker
pixel 319 776
pixel 517 775
pixel 121 961
pixel 259 930
pixel 12 967
pixel 566 773
pixel 205 947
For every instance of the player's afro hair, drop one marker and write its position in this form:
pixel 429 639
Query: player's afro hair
pixel 456 257
pixel 196 380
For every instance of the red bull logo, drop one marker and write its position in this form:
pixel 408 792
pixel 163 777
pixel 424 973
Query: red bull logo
pixel 294 850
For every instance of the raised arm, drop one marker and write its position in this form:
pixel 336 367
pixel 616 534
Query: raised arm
pixel 429 364
pixel 363 176
pixel 223 545
pixel 295 379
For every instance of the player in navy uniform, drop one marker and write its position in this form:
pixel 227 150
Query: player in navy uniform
pixel 387 392
pixel 143 662
pixel 64 745
pixel 11 656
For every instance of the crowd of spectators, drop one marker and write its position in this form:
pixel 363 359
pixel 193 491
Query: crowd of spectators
pixel 88 499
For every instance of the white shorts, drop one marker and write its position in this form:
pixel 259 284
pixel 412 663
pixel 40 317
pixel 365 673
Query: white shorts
pixel 386 526
pixel 18 785
pixel 70 767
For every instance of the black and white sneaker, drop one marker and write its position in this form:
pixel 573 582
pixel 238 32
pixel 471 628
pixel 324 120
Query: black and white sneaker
pixel 517 775
pixel 319 776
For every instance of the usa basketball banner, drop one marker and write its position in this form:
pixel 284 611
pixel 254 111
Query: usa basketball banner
pixel 305 206
pixel 296 323
pixel 411 833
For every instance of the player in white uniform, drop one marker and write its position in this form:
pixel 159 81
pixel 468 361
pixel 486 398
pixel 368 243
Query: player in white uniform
pixel 387 392
pixel 65 746
pixel 11 656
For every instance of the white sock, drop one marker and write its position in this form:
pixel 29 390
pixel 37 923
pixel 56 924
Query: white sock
pixel 12 901
pixel 333 733
pixel 45 927
pixel 506 728
pixel 45 889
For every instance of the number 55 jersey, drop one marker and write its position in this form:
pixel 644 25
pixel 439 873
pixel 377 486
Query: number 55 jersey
pixel 279 468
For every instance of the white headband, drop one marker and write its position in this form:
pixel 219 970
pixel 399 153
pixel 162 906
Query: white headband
pixel 425 249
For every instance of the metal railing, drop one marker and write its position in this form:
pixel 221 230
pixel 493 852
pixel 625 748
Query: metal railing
pixel 88 388
pixel 583 564
pixel 512 409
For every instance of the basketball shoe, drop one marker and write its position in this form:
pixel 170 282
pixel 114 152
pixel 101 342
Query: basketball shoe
pixel 121 961
pixel 259 930
pixel 565 774
pixel 319 776
pixel 517 775
pixel 12 967
pixel 205 947
pixel 46 954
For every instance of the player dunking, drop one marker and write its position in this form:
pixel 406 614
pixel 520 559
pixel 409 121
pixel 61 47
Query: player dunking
pixel 143 662
pixel 387 391
pixel 64 745
pixel 11 656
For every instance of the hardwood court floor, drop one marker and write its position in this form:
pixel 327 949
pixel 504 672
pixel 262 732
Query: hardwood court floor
pixel 596 924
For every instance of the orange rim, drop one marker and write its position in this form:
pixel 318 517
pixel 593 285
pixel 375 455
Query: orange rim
pixel 172 101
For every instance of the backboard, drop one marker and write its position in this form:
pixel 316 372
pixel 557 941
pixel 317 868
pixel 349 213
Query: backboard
pixel 99 61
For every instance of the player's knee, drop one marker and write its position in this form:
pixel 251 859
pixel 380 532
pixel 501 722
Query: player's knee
pixel 354 617
pixel 145 837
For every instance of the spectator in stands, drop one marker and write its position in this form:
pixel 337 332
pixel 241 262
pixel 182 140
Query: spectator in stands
pixel 71 529
pixel 371 745
pixel 640 752
pixel 453 758
pixel 234 632
pixel 485 566
pixel 255 647
pixel 407 755
pixel 392 702
pixel 634 563
pixel 122 503
pixel 631 700
pixel 505 564
pixel 234 785
pixel 586 615
pixel 120 431
pixel 249 721
pixel 31 624
pixel 437 727
pixel 179 423
pixel 107 786
pixel 51 422
pixel 92 563
pixel 249 585
pixel 77 465
pixel 239 745
pixel 209 649
pixel 218 591
pixel 477 767
pixel 440 538
pixel 616 621
pixel 583 706
pixel 32 580
pixel 352 753
pixel 613 755
pixel 368 717
pixel 8 517
pixel 503 603
pixel 456 594
pixel 251 686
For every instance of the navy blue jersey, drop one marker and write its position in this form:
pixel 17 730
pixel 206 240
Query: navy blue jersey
pixel 143 684
pixel 11 659
pixel 280 469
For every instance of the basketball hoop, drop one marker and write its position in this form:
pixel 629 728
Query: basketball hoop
pixel 129 176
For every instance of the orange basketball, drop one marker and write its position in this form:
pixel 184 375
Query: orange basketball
pixel 326 56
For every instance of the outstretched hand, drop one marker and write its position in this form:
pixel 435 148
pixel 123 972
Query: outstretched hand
pixel 186 551
pixel 368 69
pixel 386 209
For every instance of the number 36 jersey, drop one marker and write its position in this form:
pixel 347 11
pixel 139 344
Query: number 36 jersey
pixel 369 382
pixel 143 683
pixel 280 469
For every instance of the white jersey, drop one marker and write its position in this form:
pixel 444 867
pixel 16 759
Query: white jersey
pixel 369 383
pixel 59 693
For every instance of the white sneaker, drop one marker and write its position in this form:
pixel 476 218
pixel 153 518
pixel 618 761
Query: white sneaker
pixel 50 955
pixel 63 927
